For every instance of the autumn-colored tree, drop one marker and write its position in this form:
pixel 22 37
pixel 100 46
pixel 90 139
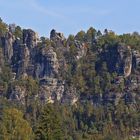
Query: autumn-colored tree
pixel 13 126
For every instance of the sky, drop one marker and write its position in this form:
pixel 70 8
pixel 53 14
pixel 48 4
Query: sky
pixel 72 16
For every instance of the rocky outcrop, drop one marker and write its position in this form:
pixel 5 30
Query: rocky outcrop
pixel 54 36
pixel 1 60
pixel 24 54
pixel 118 59
pixel 18 94
pixel 81 49
pixel 30 38
pixel 125 60
pixel 136 59
pixel 24 60
pixel 48 64
pixel 51 89
pixel 70 96
pixel 32 62
pixel 8 41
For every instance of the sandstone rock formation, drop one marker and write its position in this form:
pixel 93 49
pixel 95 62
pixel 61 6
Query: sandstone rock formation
pixel 81 49
pixel 8 46
pixel 30 38
pixel 125 60
pixel 48 64
pixel 54 36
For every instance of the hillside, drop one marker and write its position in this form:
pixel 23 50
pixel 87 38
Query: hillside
pixel 84 87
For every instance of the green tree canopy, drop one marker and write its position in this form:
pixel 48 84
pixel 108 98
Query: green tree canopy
pixel 50 127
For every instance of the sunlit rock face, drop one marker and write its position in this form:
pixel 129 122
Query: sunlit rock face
pixel 18 94
pixel 48 64
pixel 125 60
pixel 30 38
pixel 8 41
pixel 81 49
pixel 23 60
pixel 51 89
pixel 55 36
pixel 118 59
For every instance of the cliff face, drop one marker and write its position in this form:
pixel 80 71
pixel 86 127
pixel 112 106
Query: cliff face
pixel 7 42
pixel 48 65
pixel 125 59
pixel 118 58
pixel 27 59
pixel 1 60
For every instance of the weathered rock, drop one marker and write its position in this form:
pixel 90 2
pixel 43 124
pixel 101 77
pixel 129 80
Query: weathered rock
pixel 54 36
pixel 1 60
pixel 81 49
pixel 12 27
pixel 18 94
pixel 51 89
pixel 16 56
pixel 118 59
pixel 23 60
pixel 136 59
pixel 70 96
pixel 48 64
pixel 8 46
pixel 125 60
pixel 30 38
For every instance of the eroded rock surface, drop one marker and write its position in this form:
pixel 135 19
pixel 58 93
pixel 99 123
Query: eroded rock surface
pixel 48 64
pixel 8 46
pixel 125 60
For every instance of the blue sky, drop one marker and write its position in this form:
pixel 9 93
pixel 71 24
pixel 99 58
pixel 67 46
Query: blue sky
pixel 71 16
